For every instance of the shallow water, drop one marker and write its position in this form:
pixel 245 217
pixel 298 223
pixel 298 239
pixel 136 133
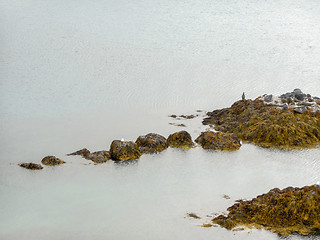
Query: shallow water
pixel 80 73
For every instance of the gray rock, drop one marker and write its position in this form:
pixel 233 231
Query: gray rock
pixel 268 98
pixel 297 91
pixel 300 109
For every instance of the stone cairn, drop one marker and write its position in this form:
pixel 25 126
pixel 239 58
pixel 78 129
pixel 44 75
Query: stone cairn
pixel 296 100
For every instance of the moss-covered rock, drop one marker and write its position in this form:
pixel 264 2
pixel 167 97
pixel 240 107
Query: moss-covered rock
pixel 83 152
pixel 180 139
pixel 121 150
pixel 152 143
pixel 51 160
pixel 31 166
pixel 218 141
pixel 267 126
pixel 291 210
pixel 99 156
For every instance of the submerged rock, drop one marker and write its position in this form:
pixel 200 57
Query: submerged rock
pixel 31 166
pixel 180 139
pixel 282 211
pixel 83 152
pixel 51 160
pixel 99 156
pixel 218 141
pixel 151 143
pixel 121 150
pixel 267 126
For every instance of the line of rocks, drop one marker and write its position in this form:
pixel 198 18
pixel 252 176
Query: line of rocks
pixel 296 100
pixel 150 143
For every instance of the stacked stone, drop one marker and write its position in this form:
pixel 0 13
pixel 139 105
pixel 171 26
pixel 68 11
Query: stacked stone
pixel 296 100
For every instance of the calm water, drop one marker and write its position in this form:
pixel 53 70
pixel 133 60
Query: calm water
pixel 77 74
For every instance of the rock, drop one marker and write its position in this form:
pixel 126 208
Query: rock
pixel 31 166
pixel 83 152
pixel 173 116
pixel 267 126
pixel 180 139
pixel 218 141
pixel 268 98
pixel 99 156
pixel 283 107
pixel 188 116
pixel 121 150
pixel 152 143
pixel 51 160
pixel 300 109
pixel 282 211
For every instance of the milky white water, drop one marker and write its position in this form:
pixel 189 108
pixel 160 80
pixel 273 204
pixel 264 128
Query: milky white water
pixel 77 74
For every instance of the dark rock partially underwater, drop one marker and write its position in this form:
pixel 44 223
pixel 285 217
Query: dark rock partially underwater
pixel 180 139
pixel 151 143
pixel 291 210
pixel 99 156
pixel 267 125
pixel 218 141
pixel 31 166
pixel 51 160
pixel 83 152
pixel 121 150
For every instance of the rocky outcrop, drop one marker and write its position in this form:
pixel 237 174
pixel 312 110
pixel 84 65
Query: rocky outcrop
pixel 83 152
pixel 267 126
pixel 121 150
pixel 291 210
pixel 31 166
pixel 218 141
pixel 51 160
pixel 99 156
pixel 151 143
pixel 180 139
pixel 296 100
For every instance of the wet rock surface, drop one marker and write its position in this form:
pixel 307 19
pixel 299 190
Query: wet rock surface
pixel 99 156
pixel 151 143
pixel 218 141
pixel 51 160
pixel 31 166
pixel 266 125
pixel 122 150
pixel 83 152
pixel 291 210
pixel 180 139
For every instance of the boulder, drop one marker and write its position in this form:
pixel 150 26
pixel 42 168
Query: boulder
pixel 51 160
pixel 151 143
pixel 121 150
pixel 99 156
pixel 300 109
pixel 218 141
pixel 291 210
pixel 268 98
pixel 180 139
pixel 83 152
pixel 31 166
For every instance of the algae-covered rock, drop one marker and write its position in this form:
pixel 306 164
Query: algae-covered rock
pixel 31 166
pixel 121 150
pixel 83 152
pixel 218 141
pixel 99 156
pixel 152 143
pixel 291 210
pixel 267 126
pixel 180 139
pixel 51 160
